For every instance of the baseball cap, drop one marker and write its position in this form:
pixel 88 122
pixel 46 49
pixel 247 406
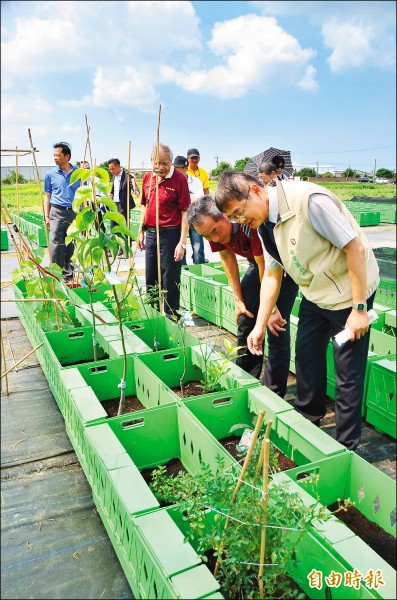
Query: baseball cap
pixel 193 152
pixel 180 161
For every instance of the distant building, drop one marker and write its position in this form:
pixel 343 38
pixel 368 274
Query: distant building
pixel 321 168
pixel 29 172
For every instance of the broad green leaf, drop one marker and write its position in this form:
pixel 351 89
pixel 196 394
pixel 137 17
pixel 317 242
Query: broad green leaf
pixel 89 246
pixel 82 195
pixel 109 203
pixel 84 220
pixel 82 174
pixel 102 174
pixel 124 230
pixel 104 188
pixel 116 217
pixel 16 276
pixel 97 255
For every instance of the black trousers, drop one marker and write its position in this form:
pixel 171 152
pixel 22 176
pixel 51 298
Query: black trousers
pixel 316 327
pixel 170 269
pixel 250 287
pixel 279 348
pixel 60 219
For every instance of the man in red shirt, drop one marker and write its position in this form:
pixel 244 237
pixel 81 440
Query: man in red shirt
pixel 173 202
pixel 230 239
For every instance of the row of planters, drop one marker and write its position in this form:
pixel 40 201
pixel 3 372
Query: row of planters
pixel 155 416
pixel 372 211
pixel 4 239
pixel 117 451
pixel 205 292
pixel 32 225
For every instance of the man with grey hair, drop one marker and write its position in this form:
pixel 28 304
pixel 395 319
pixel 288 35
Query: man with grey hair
pixel 267 173
pixel 309 234
pixel 230 239
pixel 173 202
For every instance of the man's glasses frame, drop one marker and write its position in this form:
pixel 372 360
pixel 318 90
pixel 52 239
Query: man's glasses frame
pixel 237 216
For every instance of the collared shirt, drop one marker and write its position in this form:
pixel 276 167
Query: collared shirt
pixel 116 186
pixel 201 174
pixel 195 187
pixel 57 183
pixel 240 243
pixel 174 197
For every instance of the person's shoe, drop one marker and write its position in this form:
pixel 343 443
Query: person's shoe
pixel 206 260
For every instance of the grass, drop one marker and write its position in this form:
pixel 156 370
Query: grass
pixel 31 196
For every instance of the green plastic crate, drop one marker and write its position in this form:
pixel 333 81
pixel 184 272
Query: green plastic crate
pixel 188 273
pixel 206 297
pixel 4 239
pixel 228 310
pixel 157 373
pixel 161 333
pixel 381 396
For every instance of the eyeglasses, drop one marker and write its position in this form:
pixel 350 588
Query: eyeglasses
pixel 237 216
pixel 280 167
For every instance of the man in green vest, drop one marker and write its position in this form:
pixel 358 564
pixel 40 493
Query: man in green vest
pixel 308 233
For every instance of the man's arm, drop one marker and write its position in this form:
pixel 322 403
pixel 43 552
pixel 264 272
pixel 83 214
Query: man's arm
pixel 260 261
pixel 179 250
pixel 270 289
pixel 230 266
pixel 141 236
pixel 355 257
pixel 47 207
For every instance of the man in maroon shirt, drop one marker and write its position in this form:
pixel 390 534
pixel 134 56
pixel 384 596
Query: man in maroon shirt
pixel 173 202
pixel 230 239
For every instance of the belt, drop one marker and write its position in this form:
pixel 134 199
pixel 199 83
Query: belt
pixel 61 207
pixel 153 229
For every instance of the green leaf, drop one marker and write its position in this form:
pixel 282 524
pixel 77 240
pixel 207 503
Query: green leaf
pixel 109 203
pixel 89 246
pixel 82 174
pixel 97 255
pixel 84 220
pixel 104 188
pixel 82 194
pixel 116 217
pixel 124 230
pixel 102 174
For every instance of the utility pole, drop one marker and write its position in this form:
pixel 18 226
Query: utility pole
pixel 317 171
pixel 217 160
pixel 374 172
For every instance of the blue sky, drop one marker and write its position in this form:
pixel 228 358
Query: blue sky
pixel 232 79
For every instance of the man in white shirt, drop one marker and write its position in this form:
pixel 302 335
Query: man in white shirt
pixel 119 191
pixel 196 191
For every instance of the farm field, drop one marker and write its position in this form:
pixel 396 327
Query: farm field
pixel 31 196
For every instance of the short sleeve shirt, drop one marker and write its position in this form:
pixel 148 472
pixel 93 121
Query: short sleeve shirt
pixel 174 197
pixel 57 183
pixel 241 244
pixel 201 174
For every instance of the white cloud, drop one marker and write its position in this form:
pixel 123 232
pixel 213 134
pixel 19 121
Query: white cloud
pixel 308 82
pixel 124 86
pixel 357 33
pixel 258 53
pixel 355 45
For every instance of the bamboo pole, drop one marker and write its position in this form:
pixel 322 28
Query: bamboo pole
pixel 17 194
pixel 12 354
pixel 4 361
pixel 45 227
pixel 265 485
pixel 161 303
pixel 267 435
pixel 22 359
pixel 258 425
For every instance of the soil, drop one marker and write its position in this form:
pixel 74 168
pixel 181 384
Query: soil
pixel 230 444
pixel 131 405
pixel 191 388
pixel 379 540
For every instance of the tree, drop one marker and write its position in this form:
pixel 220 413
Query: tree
pixel 328 174
pixel 104 165
pixel 386 173
pixel 223 166
pixel 307 172
pixel 240 164
pixel 12 178
pixel 349 173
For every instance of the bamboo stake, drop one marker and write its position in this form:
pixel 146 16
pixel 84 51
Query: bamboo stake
pixel 161 304
pixel 258 425
pixel 45 227
pixel 12 354
pixel 266 448
pixel 17 193
pixel 267 434
pixel 22 359
pixel 4 361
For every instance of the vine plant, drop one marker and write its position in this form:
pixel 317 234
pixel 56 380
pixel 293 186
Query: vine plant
pixel 94 247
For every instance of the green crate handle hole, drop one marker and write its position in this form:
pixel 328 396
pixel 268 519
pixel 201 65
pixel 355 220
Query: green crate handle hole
pixel 170 357
pixel 133 423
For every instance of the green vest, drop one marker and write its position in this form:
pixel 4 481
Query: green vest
pixel 314 263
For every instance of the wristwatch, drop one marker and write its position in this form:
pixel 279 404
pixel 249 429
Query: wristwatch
pixel 360 307
pixel 183 245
